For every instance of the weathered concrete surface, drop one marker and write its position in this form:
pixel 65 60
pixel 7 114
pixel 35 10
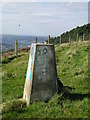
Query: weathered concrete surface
pixel 44 73
pixel 44 82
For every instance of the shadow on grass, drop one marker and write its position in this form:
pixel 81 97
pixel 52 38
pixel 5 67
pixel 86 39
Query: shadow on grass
pixel 66 88
pixel 7 60
pixel 73 96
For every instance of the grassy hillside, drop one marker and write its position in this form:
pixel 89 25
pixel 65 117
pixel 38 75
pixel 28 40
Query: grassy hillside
pixel 80 30
pixel 72 68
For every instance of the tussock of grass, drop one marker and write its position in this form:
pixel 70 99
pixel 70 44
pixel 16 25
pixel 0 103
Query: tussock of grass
pixel 14 105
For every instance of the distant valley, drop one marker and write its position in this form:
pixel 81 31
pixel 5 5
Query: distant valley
pixel 8 41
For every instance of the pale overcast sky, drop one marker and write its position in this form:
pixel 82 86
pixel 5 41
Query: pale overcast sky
pixel 42 18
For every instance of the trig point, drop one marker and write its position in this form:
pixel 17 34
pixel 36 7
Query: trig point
pixel 40 84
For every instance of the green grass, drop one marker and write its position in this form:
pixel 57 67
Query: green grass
pixel 72 102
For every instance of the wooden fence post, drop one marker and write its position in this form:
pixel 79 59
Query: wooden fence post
pixel 77 38
pixel 89 37
pixel 36 40
pixel 83 37
pixel 60 40
pixel 69 39
pixel 16 48
pixel 48 39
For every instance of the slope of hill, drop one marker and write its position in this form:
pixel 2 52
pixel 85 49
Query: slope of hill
pixel 81 31
pixel 72 68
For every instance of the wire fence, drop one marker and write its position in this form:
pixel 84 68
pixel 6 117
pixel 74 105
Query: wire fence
pixel 10 45
pixel 26 43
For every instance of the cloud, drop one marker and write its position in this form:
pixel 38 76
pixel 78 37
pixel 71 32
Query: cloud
pixel 43 18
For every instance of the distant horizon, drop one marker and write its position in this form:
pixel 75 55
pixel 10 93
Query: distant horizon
pixel 42 35
pixel 23 35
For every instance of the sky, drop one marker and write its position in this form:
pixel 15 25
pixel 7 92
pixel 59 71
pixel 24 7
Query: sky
pixel 42 18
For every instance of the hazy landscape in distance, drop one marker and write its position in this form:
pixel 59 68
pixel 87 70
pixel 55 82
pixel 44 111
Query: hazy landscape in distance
pixel 8 41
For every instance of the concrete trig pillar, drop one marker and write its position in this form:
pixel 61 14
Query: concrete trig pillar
pixel 40 84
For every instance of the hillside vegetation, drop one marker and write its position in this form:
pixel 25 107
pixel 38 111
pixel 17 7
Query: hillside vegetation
pixel 81 31
pixel 72 69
